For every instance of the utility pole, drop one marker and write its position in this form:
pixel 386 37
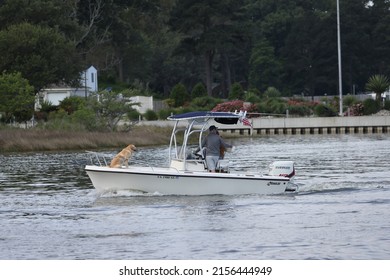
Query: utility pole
pixel 339 62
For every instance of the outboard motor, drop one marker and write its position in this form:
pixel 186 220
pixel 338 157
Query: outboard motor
pixel 282 168
pixel 285 169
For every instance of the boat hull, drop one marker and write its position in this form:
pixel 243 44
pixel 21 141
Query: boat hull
pixel 168 181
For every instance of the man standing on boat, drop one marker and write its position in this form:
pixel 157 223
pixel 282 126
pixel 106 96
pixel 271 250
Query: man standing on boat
pixel 213 144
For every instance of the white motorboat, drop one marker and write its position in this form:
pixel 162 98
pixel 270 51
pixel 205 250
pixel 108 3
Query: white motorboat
pixel 187 173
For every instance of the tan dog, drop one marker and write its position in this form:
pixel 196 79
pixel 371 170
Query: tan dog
pixel 123 157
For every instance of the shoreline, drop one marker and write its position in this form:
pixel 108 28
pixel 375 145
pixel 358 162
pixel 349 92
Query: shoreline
pixel 40 140
pixel 153 133
pixel 378 123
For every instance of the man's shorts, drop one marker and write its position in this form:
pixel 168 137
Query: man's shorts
pixel 212 162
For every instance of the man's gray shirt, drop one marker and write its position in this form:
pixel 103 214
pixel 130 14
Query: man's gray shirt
pixel 213 143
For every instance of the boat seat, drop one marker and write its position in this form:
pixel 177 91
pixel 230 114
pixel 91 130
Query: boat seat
pixel 196 165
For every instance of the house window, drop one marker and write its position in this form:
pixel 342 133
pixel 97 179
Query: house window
pixel 92 78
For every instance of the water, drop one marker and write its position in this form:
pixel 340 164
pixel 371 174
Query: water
pixel 49 209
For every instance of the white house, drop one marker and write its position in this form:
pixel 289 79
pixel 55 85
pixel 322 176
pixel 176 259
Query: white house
pixel 145 103
pixel 89 79
pixel 54 95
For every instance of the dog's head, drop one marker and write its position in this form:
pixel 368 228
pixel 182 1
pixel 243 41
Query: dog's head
pixel 131 147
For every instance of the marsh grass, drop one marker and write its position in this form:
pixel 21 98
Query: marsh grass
pixel 27 140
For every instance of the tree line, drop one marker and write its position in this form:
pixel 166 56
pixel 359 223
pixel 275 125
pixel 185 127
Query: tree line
pixel 290 45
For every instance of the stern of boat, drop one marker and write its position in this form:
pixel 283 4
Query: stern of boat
pixel 284 169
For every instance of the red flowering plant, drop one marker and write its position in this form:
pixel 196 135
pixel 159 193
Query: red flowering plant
pixel 355 110
pixel 301 107
pixel 236 105
pixel 299 102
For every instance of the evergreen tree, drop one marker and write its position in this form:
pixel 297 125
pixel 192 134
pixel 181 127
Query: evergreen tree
pixel 16 97
pixel 41 54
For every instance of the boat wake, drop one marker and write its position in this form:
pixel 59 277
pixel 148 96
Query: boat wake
pixel 124 193
pixel 328 187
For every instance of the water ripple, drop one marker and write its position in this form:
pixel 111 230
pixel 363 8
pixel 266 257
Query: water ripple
pixel 49 209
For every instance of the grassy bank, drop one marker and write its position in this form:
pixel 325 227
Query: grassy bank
pixel 27 140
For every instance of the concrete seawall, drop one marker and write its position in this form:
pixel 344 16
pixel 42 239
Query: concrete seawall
pixel 308 125
pixel 314 125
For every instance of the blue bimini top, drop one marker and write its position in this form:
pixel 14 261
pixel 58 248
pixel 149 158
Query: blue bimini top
pixel 220 117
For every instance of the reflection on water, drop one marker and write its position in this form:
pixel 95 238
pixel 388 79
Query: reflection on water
pixel 49 210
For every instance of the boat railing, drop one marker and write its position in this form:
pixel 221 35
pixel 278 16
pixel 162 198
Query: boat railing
pixel 98 159
pixel 102 159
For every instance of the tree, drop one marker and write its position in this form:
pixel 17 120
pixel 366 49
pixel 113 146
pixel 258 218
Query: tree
pixel 358 52
pixel 110 107
pixel 42 55
pixel 207 26
pixel 310 52
pixel 198 91
pixel 236 92
pixel 378 84
pixel 264 67
pixel 16 97
pixel 291 45
pixel 139 44
pixel 179 94
pixel 55 14
pixel 378 27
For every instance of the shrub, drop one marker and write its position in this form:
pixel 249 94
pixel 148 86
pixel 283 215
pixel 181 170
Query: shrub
pixel 205 103
pixel 236 105
pixel 276 106
pixel 387 105
pixel 236 92
pixel 59 120
pixel 170 102
pixel 46 108
pixel 133 115
pixel 183 110
pixel 301 107
pixel 165 113
pixel 72 104
pixel 179 95
pixel 272 92
pixel 356 109
pixel 198 91
pixel 262 107
pixel 150 115
pixel 371 106
pixel 86 118
pixel 322 110
pixel 299 110
pixel 252 97
pixel 349 100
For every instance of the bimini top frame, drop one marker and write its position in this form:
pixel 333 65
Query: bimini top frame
pixel 194 120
